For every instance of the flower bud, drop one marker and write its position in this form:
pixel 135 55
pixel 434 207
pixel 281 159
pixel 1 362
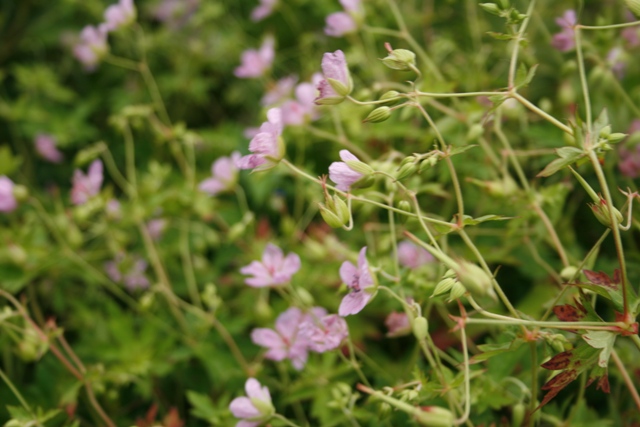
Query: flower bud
pixel 475 132
pixel 378 115
pixel 568 272
pixel 334 212
pixel 210 297
pixel 340 88
pixel 457 291
pixel 420 328
pixel 492 8
pixel 17 254
pixel 443 286
pixel 474 279
pixel 427 163
pixel 602 213
pixel 404 205
pixel 616 137
pixel 400 59
pixel 435 416
pixel 634 6
pixel 406 171
pixel 517 414
pixel 20 192
pixel 391 96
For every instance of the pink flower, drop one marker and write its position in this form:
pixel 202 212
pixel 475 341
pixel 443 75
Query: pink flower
pixel 156 228
pixel 8 201
pixel 398 324
pixel 86 186
pixel 413 256
pixel 92 46
pixel 336 84
pixel 119 15
pixel 339 24
pixel 264 9
pixel 616 60
pixel 325 333
pixel 303 108
pixel 275 268
pixel 224 174
pixel 630 156
pixel 46 147
pixel 256 62
pixel 286 341
pixel 254 409
pixel 342 174
pixel 351 5
pixel 175 13
pixel 128 270
pixel 281 90
pixel 564 41
pixel 631 36
pixel 267 146
pixel 113 209
pixel 358 280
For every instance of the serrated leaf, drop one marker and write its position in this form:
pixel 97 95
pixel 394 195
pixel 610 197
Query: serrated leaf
pixel 603 279
pixel 569 313
pixel 203 407
pixel 601 340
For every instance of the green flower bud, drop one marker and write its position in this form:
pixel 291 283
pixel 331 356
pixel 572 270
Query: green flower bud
pixel 475 131
pixel 147 300
pixel 406 171
pixel 378 115
pixel 616 137
pixel 400 59
pixel 457 291
pixel 634 6
pixel 605 132
pixel 405 205
pixel 391 96
pixel 335 211
pixel 420 328
pixel 474 279
pixel 20 192
pixel 602 213
pixel 435 416
pixel 568 273
pixel 210 297
pixel 517 414
pixel 427 163
pixel 492 8
pixel 443 286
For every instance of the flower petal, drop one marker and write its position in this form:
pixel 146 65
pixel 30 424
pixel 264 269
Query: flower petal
pixel 353 303
pixel 241 407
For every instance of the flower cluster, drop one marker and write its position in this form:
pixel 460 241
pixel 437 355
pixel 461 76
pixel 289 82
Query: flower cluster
pixel 86 186
pixel 565 40
pixel 255 63
pixel 224 174
pixel 92 45
pixel 128 270
pixel 275 269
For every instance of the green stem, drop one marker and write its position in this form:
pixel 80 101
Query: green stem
pixel 608 27
pixel 187 263
pixel 21 399
pixel 524 101
pixel 583 80
pixel 516 45
pixel 285 420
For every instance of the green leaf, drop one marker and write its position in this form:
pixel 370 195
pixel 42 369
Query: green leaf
pixel 458 150
pixel 602 340
pixel 203 407
pixel 500 36
pixel 8 162
pixel 524 77
pixel 568 155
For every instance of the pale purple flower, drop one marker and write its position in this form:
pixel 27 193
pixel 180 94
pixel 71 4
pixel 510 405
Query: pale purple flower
pixel 342 174
pixel 86 186
pixel 358 280
pixel 156 228
pixel 249 133
pixel 224 174
pixel 254 409
pixel 286 341
pixel 119 15
pixel 128 270
pixel 275 269
pixel 8 201
pixel 92 46
pixel 616 60
pixel 281 90
pixel 334 66
pixel 267 146
pixel 113 209
pixel 46 147
pixel 325 333
pixel 254 63
pixel 175 13
pixel 303 108
pixel 351 5
pixel 339 23
pixel 264 9
pixel 397 324
pixel 413 256
pixel 630 34
pixel 630 156
pixel 564 41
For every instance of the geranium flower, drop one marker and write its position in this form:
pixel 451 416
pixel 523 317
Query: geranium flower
pixel 397 324
pixel 413 256
pixel 92 46
pixel 224 174
pixel 254 409
pixel 342 174
pixel 286 341
pixel 128 270
pixel 275 268
pixel 339 23
pixel 267 146
pixel 86 186
pixel 325 333
pixel 254 63
pixel 358 280
pixel 46 147
pixel 264 9
pixel 303 108
pixel 281 90
pixel 176 13
pixel 565 40
pixel 336 84
pixel 119 15
pixel 8 202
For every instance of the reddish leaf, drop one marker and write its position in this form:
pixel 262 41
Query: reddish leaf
pixel 559 361
pixel 603 279
pixel 555 385
pixel 569 313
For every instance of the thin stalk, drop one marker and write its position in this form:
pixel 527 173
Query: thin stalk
pixel 187 263
pixel 516 48
pixel 524 101
pixel 608 27
pixel 583 78
pixel 21 399
pixel 467 385
pixel 625 377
